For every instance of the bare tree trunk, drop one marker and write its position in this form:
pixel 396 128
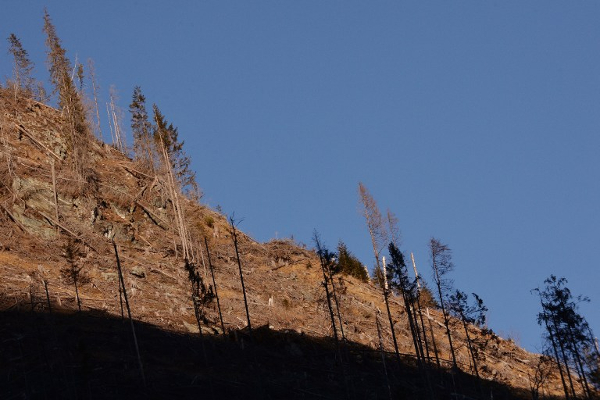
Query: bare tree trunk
pixel 418 278
pixel 135 342
pixel 387 379
pixel 237 254
pixel 55 195
pixel 47 295
pixel 445 314
pixel 95 95
pixel 77 292
pixel 212 272
pixel 337 305
pixel 435 350
pixel 386 294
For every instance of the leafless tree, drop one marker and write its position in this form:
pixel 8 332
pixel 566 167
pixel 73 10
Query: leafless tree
pixel 379 239
pixel 232 224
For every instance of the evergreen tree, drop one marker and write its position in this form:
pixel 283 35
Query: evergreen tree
pixel 143 145
pixel 469 314
pixel 441 264
pixel 348 264
pixel 69 99
pixel 399 281
pixel 22 67
pixel 166 137
pixel 567 332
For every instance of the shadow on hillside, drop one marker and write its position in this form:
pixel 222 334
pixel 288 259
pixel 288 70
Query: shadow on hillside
pixel 91 355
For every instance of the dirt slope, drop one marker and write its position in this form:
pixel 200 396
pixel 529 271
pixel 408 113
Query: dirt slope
pixel 116 200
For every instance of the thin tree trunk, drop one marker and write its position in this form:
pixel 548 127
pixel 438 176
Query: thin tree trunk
pixel 135 342
pixel 77 292
pixel 445 314
pixel 387 306
pixel 435 350
pixel 337 305
pixel 55 195
pixel 212 273
pixel 329 305
pixel 237 254
pixel 387 379
pixel 578 363
pixel 418 278
pixel 47 295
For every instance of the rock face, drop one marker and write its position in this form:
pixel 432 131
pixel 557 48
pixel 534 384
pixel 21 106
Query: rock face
pixel 52 218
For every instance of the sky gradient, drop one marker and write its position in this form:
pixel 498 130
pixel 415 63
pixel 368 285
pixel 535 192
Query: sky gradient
pixel 474 122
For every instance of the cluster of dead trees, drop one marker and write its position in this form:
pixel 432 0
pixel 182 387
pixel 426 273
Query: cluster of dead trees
pixel 571 347
pixel 394 280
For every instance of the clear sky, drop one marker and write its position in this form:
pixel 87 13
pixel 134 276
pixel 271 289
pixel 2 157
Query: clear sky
pixel 475 122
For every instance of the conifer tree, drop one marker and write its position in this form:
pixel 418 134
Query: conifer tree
pixel 350 265
pixel 441 264
pixel 567 332
pixel 379 238
pixel 468 314
pixel 166 136
pixel 397 276
pixel 69 99
pixel 22 67
pixel 143 145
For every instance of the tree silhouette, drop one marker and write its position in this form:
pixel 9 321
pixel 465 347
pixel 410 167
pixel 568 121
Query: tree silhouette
pixel 567 332
pixel 441 264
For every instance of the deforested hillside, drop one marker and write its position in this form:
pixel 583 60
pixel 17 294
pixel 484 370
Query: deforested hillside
pixel 65 216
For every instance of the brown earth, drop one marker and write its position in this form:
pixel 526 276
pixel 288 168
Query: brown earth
pixel 118 201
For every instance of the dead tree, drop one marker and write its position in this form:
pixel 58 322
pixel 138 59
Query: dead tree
pixel 232 223
pixel 382 351
pixel 212 273
pixel 420 309
pixel 326 260
pixel 95 88
pixel 22 68
pixel 379 239
pixel 135 341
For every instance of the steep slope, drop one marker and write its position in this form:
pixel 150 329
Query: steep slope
pixel 115 200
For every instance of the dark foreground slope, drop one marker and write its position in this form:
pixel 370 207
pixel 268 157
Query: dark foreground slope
pixel 91 355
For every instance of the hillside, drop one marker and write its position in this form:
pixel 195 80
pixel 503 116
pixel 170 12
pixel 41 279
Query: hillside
pixel 291 341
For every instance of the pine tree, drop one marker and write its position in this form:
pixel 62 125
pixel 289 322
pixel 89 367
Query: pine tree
pixel 568 333
pixel 441 264
pixel 143 145
pixel 166 136
pixel 350 265
pixel 69 99
pixel 22 67
pixel 469 314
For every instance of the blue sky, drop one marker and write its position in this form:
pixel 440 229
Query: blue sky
pixel 474 122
